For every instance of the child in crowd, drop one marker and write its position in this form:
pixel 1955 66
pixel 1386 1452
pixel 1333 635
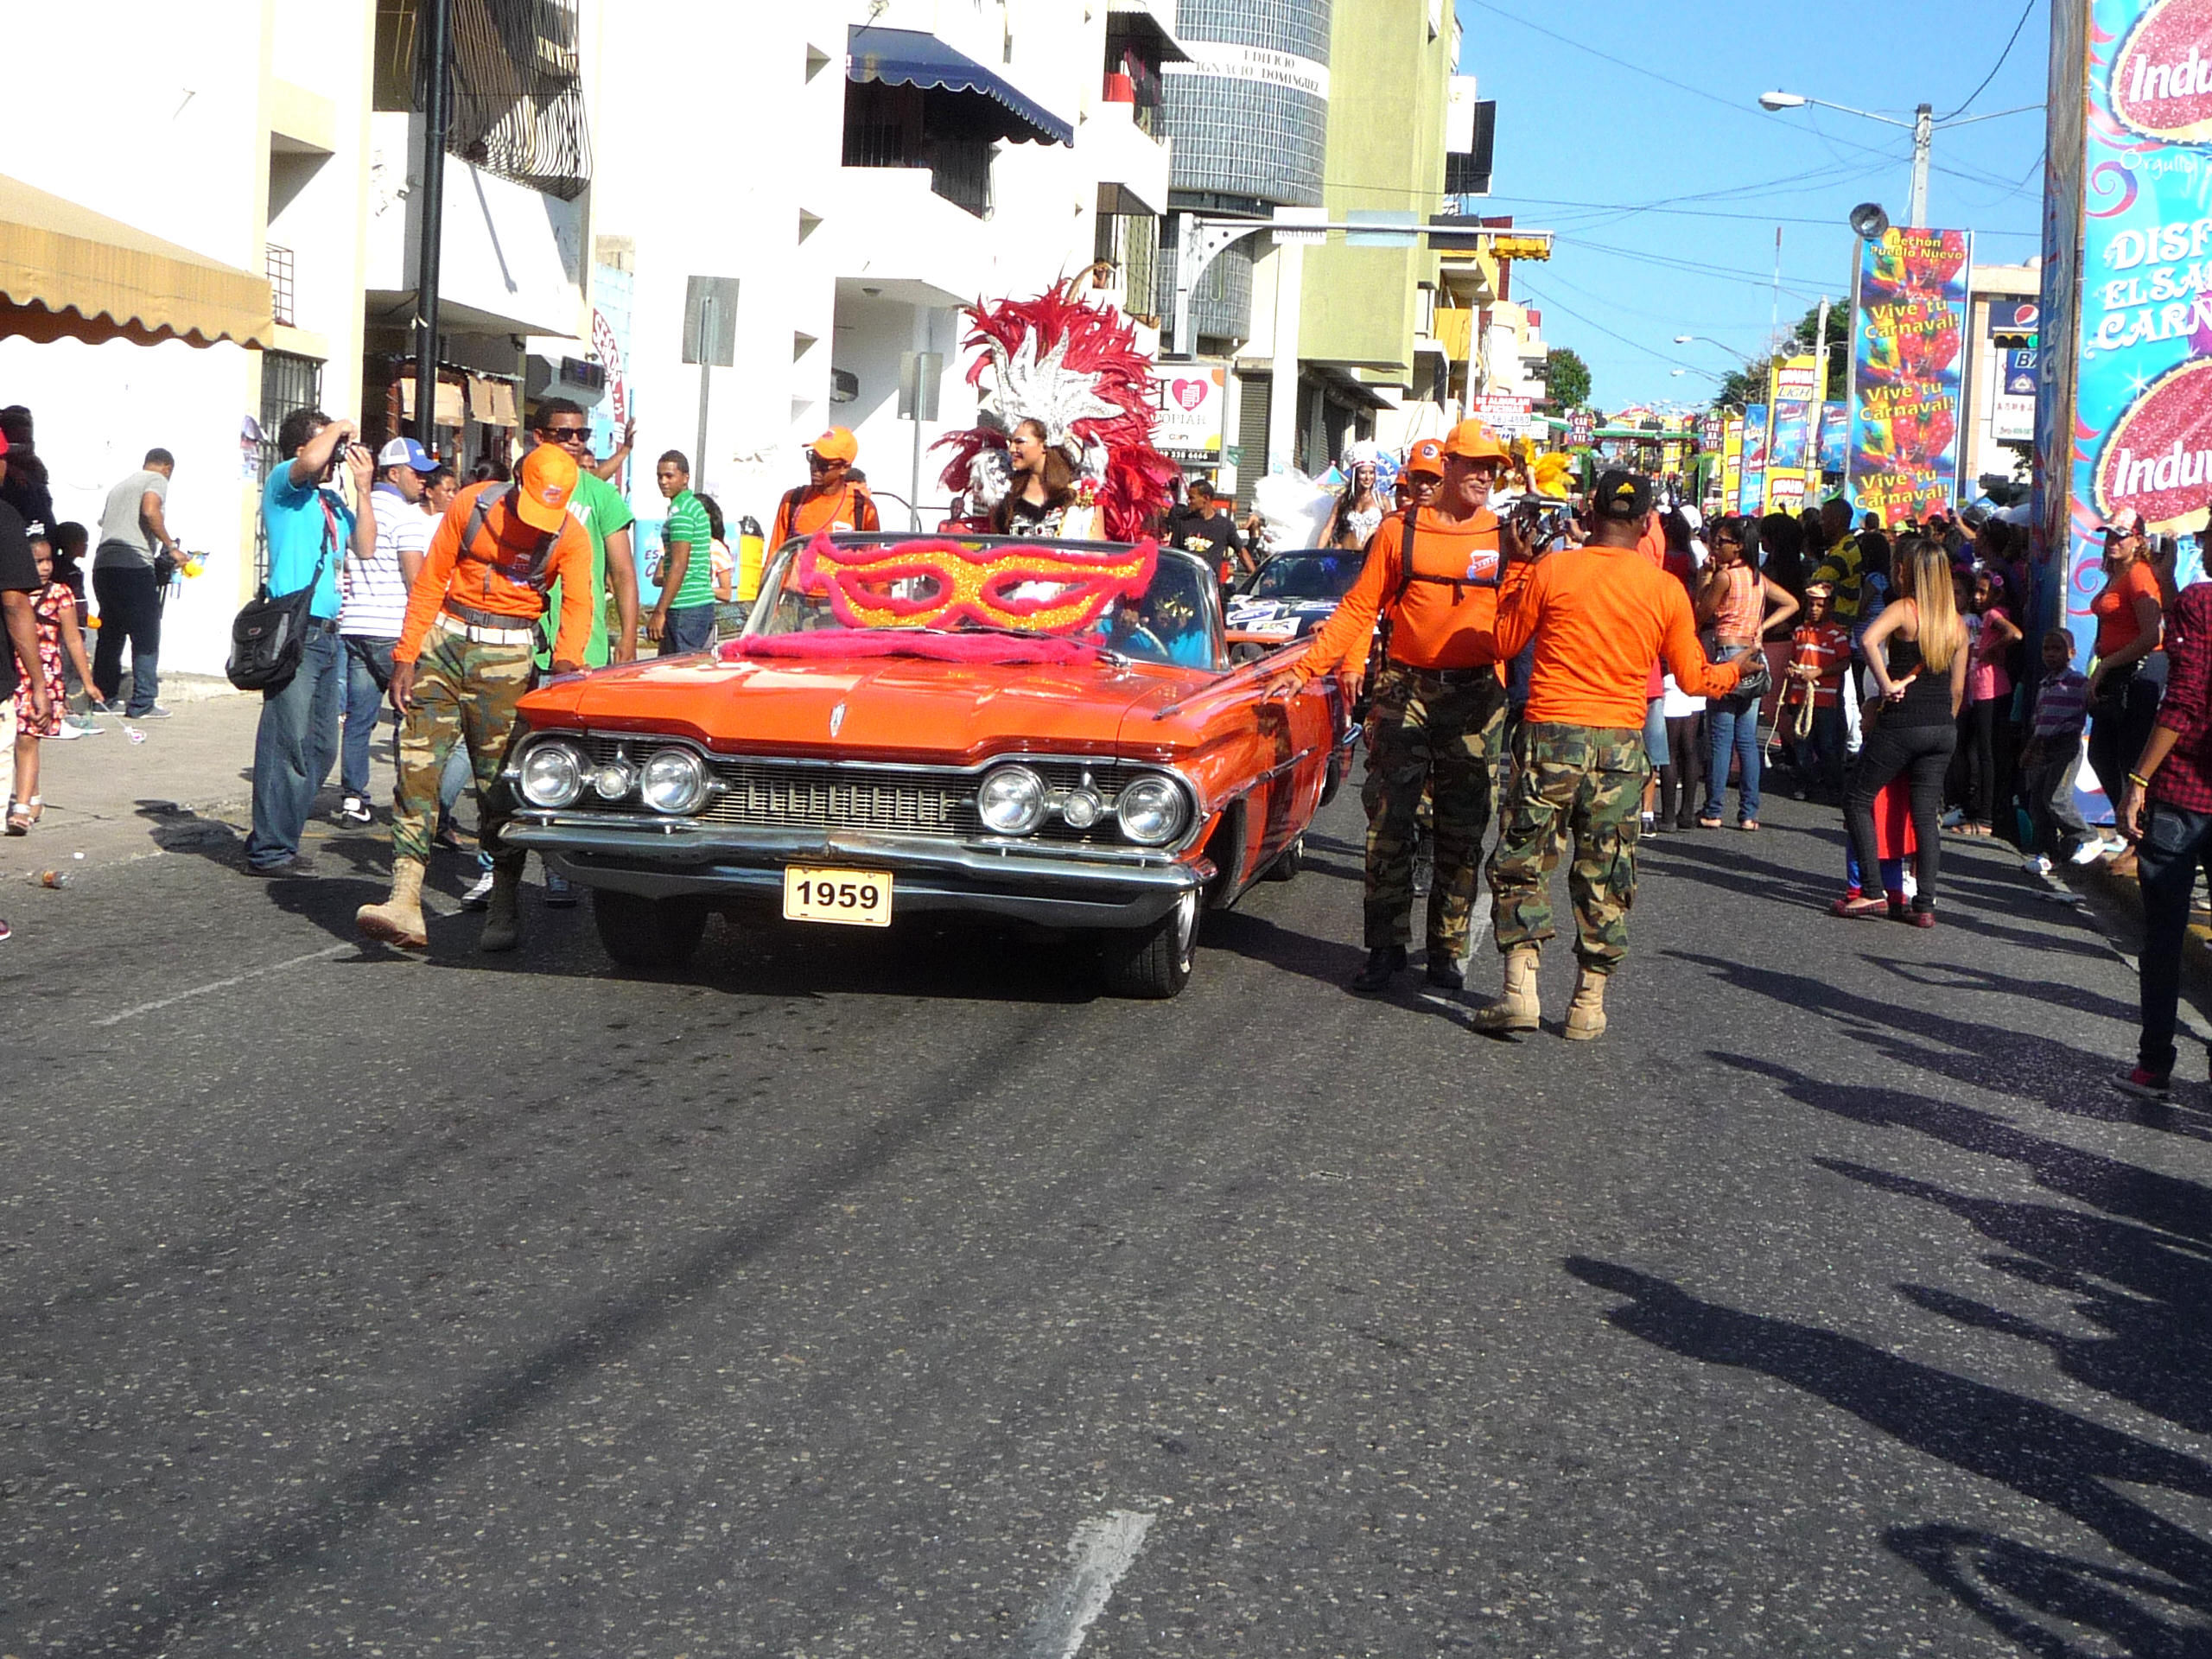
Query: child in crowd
pixel 1812 697
pixel 55 609
pixel 71 545
pixel 1894 843
pixel 2053 756
pixel 1989 690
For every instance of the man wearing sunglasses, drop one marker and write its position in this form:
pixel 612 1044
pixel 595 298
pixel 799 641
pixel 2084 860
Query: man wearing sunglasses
pixel 831 498
pixel 606 518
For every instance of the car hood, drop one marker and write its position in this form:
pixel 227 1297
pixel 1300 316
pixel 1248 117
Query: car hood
pixel 878 708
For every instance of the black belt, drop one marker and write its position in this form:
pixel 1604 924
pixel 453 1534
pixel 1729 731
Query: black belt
pixel 322 625
pixel 1450 676
pixel 475 617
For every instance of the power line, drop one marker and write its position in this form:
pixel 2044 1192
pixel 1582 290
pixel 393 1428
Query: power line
pixel 1994 67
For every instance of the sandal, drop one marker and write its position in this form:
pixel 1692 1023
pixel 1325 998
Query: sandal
pixel 19 820
pixel 1749 826
pixel 1708 824
pixel 1861 908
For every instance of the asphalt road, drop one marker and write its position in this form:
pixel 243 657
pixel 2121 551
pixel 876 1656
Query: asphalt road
pixel 893 1296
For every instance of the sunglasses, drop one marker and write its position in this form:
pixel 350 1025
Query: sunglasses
pixel 568 434
pixel 821 463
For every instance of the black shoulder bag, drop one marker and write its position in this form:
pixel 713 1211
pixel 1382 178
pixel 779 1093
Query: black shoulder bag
pixel 270 633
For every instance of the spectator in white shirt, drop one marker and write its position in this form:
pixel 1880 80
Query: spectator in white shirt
pixel 373 599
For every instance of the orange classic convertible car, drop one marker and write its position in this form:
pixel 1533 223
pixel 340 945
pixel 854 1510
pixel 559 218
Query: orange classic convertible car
pixel 1047 733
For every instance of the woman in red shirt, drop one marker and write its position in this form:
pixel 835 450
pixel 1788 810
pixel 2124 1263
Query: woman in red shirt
pixel 2123 702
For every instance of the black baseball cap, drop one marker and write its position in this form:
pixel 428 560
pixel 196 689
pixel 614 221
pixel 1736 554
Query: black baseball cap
pixel 1621 495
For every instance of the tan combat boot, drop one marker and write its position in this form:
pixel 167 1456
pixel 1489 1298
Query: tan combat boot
pixel 502 916
pixel 1516 1007
pixel 399 920
pixel 1585 1015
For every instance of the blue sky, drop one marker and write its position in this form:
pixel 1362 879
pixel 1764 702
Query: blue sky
pixel 1690 177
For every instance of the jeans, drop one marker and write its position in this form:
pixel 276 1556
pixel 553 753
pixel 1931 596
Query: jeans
pixel 1733 725
pixel 2176 844
pixel 2119 725
pixel 295 747
pixel 130 609
pixel 689 627
pixel 1924 753
pixel 368 670
pixel 2050 791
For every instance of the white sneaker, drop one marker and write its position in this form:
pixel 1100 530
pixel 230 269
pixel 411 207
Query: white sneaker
pixel 66 733
pixel 2091 850
pixel 479 896
pixel 355 808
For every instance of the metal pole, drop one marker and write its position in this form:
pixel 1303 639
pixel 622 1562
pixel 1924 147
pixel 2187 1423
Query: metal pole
pixel 1851 374
pixel 1923 128
pixel 438 18
pixel 1820 410
pixel 914 483
pixel 706 381
pixel 1186 230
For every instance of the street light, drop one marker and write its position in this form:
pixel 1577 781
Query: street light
pixel 1684 339
pixel 1922 126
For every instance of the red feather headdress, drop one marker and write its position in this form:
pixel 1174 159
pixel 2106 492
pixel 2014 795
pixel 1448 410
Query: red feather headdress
pixel 1074 369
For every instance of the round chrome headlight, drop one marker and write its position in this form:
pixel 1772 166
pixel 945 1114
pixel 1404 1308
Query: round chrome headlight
pixel 1081 808
pixel 613 780
pixel 552 774
pixel 1011 801
pixel 1151 811
pixel 675 780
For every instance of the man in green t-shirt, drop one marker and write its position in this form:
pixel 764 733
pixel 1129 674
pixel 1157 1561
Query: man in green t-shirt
pixel 683 618
pixel 606 517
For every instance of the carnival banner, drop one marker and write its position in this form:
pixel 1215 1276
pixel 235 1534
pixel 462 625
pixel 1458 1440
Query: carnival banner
pixel 2125 349
pixel 1731 462
pixel 1908 334
pixel 1752 489
pixel 1581 428
pixel 1835 437
pixel 1790 390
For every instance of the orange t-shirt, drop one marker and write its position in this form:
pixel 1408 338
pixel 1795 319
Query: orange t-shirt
pixel 1599 616
pixel 2115 608
pixel 493 574
pixel 1448 610
pixel 849 506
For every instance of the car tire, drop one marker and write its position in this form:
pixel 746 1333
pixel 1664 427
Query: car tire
pixel 1153 964
pixel 656 934
pixel 1289 863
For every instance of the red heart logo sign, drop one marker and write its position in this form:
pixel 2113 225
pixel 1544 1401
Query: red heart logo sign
pixel 1189 393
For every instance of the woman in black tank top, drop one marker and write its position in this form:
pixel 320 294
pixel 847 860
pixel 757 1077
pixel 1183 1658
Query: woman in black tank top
pixel 1918 651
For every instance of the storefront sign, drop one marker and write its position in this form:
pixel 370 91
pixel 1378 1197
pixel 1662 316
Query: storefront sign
pixel 1193 400
pixel 1581 428
pixel 2013 409
pixel 1507 416
pixel 1908 334
pixel 2125 369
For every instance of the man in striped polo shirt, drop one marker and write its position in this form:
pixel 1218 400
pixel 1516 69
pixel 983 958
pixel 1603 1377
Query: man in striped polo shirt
pixel 372 600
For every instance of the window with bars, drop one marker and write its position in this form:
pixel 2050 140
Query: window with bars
pixel 278 264
pixel 288 382
pixel 515 86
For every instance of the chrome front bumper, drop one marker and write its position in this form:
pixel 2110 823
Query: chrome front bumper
pixel 673 859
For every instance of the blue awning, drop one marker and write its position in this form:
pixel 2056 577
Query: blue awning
pixel 906 57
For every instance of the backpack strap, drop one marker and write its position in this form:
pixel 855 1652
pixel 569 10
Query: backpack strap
pixel 547 539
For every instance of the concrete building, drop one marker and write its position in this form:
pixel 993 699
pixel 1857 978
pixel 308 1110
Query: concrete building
pixel 892 163
pixel 221 184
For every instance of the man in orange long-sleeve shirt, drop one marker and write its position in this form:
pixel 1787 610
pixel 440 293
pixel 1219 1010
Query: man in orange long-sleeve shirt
pixel 463 663
pixel 1438 714
pixel 1598 615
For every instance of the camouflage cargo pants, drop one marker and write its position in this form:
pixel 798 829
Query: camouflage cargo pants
pixel 1427 732
pixel 1585 782
pixel 464 692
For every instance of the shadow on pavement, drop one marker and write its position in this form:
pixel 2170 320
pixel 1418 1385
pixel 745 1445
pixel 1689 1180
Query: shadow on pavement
pixel 1976 1052
pixel 2051 1456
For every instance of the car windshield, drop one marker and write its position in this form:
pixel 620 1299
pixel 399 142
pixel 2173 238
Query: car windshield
pixel 1142 602
pixel 1307 575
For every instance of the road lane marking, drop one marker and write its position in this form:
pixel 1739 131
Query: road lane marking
pixel 1098 1555
pixel 224 984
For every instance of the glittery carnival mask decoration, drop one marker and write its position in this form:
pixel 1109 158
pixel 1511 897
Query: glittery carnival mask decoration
pixel 942 584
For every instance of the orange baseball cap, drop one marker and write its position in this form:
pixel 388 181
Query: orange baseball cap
pixel 1427 456
pixel 542 486
pixel 838 443
pixel 1473 441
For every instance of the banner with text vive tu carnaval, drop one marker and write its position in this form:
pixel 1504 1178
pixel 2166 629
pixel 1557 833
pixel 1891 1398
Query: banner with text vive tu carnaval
pixel 1752 478
pixel 1909 345
pixel 2124 411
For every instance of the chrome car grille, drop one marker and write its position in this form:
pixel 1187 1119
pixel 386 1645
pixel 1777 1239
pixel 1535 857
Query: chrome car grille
pixel 886 800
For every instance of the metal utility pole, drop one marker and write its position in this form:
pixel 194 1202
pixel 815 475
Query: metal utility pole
pixel 706 385
pixel 1820 410
pixel 1923 128
pixel 437 19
